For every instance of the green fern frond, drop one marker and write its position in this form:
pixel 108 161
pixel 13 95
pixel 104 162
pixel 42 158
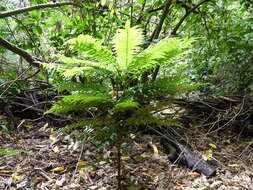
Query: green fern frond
pixel 80 102
pixel 76 71
pixel 71 62
pixel 125 106
pixel 127 43
pixel 91 87
pixel 166 86
pixel 89 124
pixel 92 49
pixel 145 120
pixel 160 88
pixel 140 64
pixel 158 54
pixel 167 48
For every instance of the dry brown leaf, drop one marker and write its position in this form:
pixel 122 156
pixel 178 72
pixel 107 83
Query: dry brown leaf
pixel 21 171
pixel 5 171
pixel 195 174
pixel 56 149
pixel 82 164
pixel 38 180
pixel 59 183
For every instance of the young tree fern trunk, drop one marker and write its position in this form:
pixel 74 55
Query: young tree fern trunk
pixel 119 165
pixel 118 147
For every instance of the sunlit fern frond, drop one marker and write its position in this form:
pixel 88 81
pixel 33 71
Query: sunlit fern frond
pixel 79 65
pixel 167 48
pixel 158 54
pixel 127 43
pixel 92 49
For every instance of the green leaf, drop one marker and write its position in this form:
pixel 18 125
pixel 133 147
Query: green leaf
pixel 36 14
pixel 103 2
pixel 37 29
pixel 158 54
pixel 28 21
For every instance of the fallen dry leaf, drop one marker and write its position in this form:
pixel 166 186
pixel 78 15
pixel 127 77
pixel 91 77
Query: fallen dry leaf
pixel 21 171
pixel 37 180
pixel 58 169
pixel 16 177
pixel 56 149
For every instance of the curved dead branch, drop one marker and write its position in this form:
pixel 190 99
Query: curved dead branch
pixel 21 52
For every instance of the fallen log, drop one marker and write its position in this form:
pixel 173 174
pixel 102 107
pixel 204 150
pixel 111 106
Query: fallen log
pixel 181 154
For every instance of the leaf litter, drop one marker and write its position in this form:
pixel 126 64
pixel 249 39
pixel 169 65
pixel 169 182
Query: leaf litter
pixel 49 160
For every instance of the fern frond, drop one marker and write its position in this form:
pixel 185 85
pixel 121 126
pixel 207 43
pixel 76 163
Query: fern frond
pixel 160 88
pixel 127 43
pixel 145 120
pixel 91 87
pixel 125 106
pixel 90 123
pixel 71 62
pixel 167 48
pixel 76 71
pixel 80 102
pixel 158 54
pixel 140 64
pixel 92 49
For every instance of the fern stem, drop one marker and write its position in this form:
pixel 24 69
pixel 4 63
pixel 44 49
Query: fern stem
pixel 119 164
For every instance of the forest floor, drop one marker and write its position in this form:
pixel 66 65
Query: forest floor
pixel 49 160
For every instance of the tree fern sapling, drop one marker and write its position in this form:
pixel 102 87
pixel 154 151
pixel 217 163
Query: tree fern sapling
pixel 112 88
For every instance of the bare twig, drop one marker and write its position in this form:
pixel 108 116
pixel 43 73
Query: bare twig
pixel 79 158
pixel 14 81
pixel 43 173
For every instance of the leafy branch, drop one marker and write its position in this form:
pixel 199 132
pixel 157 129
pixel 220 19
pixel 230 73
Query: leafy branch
pixel 174 31
pixel 36 7
pixel 21 52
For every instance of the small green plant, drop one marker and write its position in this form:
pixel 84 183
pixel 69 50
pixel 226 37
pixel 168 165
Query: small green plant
pixel 7 151
pixel 4 126
pixel 115 90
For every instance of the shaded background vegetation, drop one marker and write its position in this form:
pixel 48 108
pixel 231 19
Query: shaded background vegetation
pixel 221 57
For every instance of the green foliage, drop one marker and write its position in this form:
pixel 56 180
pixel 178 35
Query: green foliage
pixel 4 126
pixel 80 102
pixel 125 106
pixel 222 56
pixel 9 85
pixel 107 84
